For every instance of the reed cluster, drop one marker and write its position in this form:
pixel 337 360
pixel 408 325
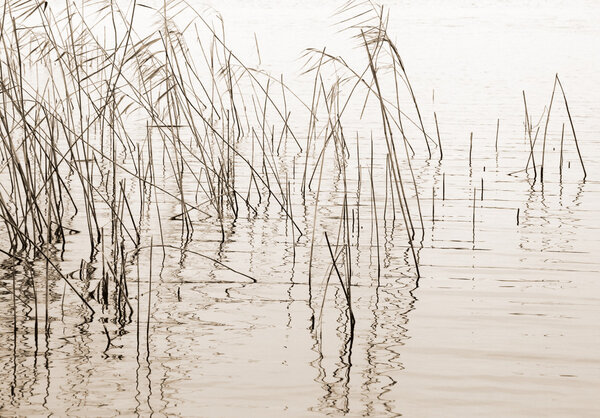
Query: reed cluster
pixel 103 119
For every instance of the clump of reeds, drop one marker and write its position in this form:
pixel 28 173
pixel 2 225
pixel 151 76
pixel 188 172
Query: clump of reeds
pixel 75 96
pixel 532 139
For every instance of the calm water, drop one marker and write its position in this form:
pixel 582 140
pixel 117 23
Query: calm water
pixel 503 320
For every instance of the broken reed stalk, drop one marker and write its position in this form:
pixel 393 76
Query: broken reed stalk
pixel 473 222
pixel 546 130
pixel 437 129
pixel 531 142
pixel 443 186
pixel 374 213
pixel 560 164
pixel 558 82
pixel 482 188
pixel 470 148
pixel 572 127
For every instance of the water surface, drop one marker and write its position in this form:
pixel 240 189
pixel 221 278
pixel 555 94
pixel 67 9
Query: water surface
pixel 503 320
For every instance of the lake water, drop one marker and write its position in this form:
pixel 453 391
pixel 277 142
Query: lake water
pixel 503 320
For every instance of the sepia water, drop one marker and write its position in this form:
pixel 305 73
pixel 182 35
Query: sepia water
pixel 504 320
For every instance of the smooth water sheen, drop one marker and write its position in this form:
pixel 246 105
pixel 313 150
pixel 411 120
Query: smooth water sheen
pixel 504 320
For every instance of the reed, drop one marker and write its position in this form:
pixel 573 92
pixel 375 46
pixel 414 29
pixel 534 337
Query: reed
pixel 437 129
pixel 572 127
pixel 470 149
pixel 497 132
